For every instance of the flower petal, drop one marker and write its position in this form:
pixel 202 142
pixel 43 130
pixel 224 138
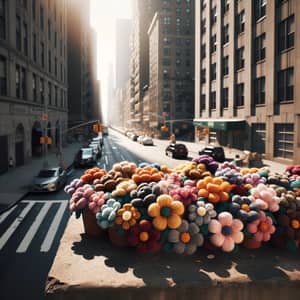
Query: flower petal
pixel 164 200
pixel 217 239
pixel 177 207
pixel 174 221
pixel 225 218
pixel 160 223
pixel 173 236
pixel 214 226
pixel 237 237
pixel 237 225
pixel 179 248
pixel 228 244
pixel 154 210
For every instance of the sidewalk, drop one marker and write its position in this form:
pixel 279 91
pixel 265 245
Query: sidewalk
pixel 15 183
pixel 230 153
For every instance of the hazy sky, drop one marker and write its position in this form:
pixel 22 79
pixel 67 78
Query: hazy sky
pixel 103 18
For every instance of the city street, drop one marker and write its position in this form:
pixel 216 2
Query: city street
pixel 30 232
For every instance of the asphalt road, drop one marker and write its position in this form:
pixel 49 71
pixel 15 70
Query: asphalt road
pixel 30 232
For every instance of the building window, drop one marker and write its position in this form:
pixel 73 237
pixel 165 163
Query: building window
pixel 188 63
pixel 166 62
pixel 34 92
pixel 23 84
pixel 43 54
pixel 178 11
pixel 260 47
pixel 203 76
pixel 178 41
pixel 225 34
pixel 167 41
pixel 260 9
pixel 259 91
pixel 284 140
pixel 42 90
pixel 55 66
pixel 188 42
pixel 203 51
pixel 225 6
pixel 286 33
pixel 239 99
pixel 56 96
pixel 225 97
pixel 166 96
pixel 25 39
pixel 18 33
pixel 213 43
pixel 203 4
pixel 178 62
pixel 3 80
pixel 213 102
pixel 213 70
pixel 202 102
pixel 286 85
pixel 203 26
pixel 240 22
pixel 2 19
pixel 167 20
pixel 49 60
pixel 55 39
pixel 167 51
pixel 213 15
pixel 33 8
pixel 49 30
pixel 225 65
pixel 34 47
pixel 166 83
pixel 50 92
pixel 61 72
pixel 240 59
pixel 18 86
pixel 42 17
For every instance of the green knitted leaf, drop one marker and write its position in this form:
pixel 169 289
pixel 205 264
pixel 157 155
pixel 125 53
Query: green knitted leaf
pixel 168 247
pixel 269 214
pixel 204 229
pixel 291 245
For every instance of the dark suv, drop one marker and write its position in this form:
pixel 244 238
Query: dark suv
pixel 217 153
pixel 177 150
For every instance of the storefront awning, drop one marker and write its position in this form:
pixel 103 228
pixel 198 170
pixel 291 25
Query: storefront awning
pixel 220 124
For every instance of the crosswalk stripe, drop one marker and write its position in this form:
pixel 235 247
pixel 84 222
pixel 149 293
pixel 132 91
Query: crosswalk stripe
pixel 4 215
pixel 53 228
pixel 122 157
pixel 106 160
pixel 33 229
pixel 5 237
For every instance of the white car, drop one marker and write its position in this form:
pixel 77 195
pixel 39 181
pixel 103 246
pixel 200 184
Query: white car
pixel 147 141
pixel 140 139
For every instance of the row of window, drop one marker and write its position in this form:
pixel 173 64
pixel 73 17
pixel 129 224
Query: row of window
pixel 58 99
pixel 168 62
pixel 285 92
pixel 178 41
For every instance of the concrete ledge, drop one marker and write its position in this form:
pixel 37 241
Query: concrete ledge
pixel 91 268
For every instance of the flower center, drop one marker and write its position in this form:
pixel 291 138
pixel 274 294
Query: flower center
pixel 185 237
pixel 144 236
pixel 127 215
pixel 226 230
pixel 165 211
pixel 245 207
pixel 263 227
pixel 201 211
pixel 295 224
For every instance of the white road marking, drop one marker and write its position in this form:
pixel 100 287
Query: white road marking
pixel 104 166
pixel 54 227
pixel 122 157
pixel 106 160
pixel 34 228
pixel 4 215
pixel 5 237
pixel 114 147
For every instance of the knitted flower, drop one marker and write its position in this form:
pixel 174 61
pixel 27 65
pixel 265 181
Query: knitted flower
pixel 261 228
pixel 186 195
pixel 290 221
pixel 127 216
pixel 243 209
pixel 144 237
pixel 265 197
pixel 108 212
pixel 166 212
pixel 186 238
pixel 226 231
pixel 201 212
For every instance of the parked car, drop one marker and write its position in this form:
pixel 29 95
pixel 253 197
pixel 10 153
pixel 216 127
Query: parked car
pixel 85 157
pixel 97 149
pixel 105 130
pixel 49 180
pixel 175 150
pixel 217 153
pixel 98 139
pixel 140 139
pixel 134 137
pixel 147 141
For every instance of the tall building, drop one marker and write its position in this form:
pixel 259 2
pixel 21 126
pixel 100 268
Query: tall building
pixel 171 69
pixel 33 82
pixel 246 79
pixel 123 29
pixel 81 43
pixel 143 12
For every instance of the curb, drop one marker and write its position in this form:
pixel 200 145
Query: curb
pixel 14 203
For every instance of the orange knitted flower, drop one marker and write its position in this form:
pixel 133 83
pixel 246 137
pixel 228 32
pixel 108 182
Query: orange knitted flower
pixel 127 216
pixel 166 212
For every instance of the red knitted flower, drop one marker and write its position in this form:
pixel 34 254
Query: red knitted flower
pixel 144 237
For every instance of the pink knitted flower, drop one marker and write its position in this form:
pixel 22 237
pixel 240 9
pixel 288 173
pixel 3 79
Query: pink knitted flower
pixel 265 197
pixel 262 228
pixel 226 231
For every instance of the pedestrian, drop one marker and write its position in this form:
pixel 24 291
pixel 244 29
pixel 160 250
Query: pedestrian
pixel 10 162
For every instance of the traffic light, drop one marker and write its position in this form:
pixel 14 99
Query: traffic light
pixel 164 128
pixel 97 127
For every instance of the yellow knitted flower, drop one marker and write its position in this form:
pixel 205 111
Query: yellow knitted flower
pixel 127 216
pixel 166 212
